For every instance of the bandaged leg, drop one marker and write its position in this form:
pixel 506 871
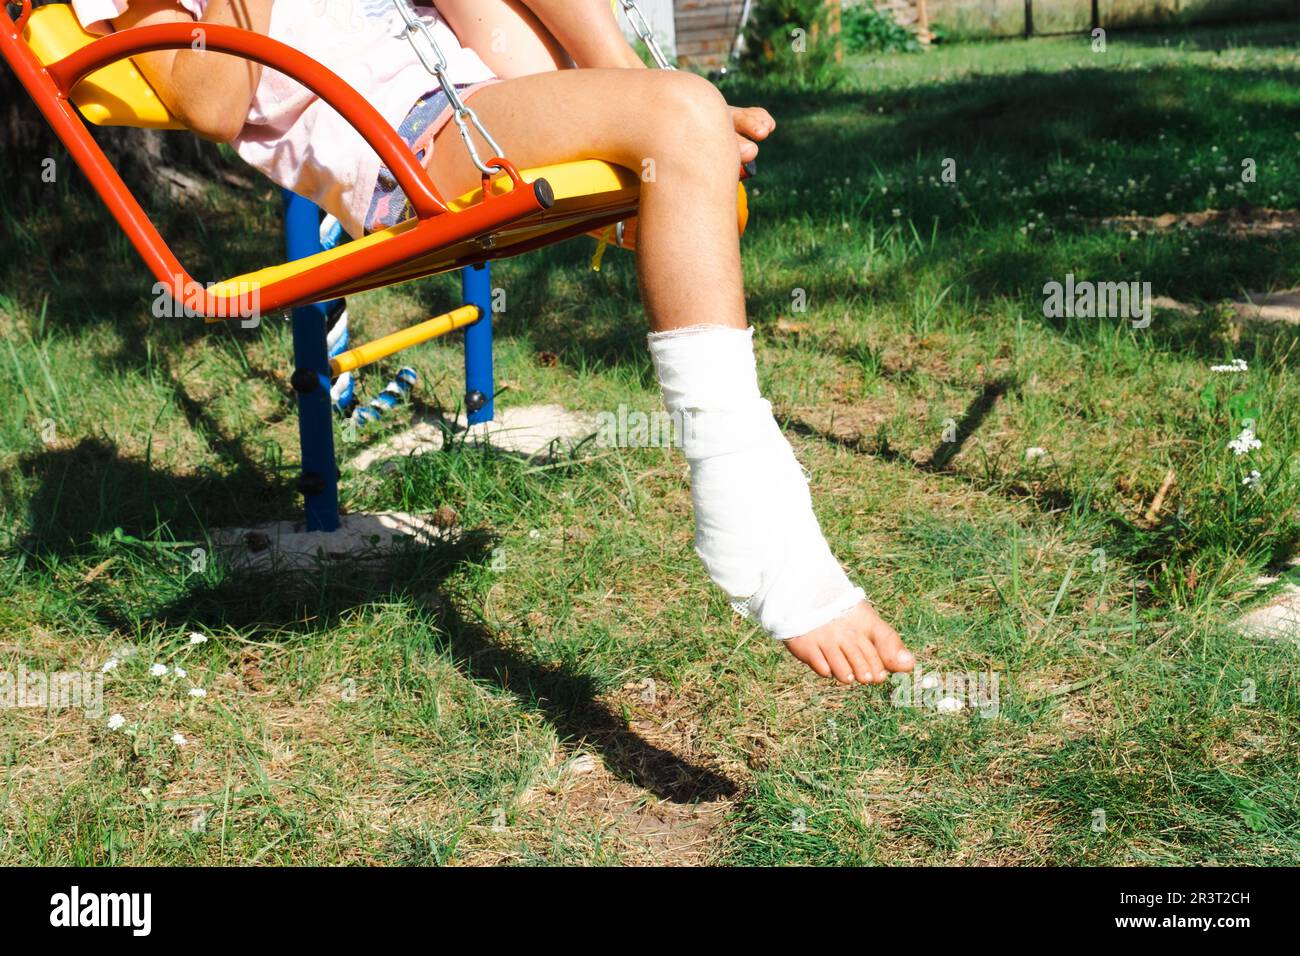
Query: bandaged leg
pixel 755 529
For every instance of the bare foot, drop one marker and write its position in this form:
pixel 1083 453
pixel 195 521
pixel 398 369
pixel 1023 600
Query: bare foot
pixel 857 647
pixel 753 125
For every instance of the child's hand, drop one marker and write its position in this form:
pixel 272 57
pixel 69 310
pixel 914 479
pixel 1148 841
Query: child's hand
pixel 753 125
pixel 857 647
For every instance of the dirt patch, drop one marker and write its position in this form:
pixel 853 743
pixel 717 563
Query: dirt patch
pixel 1270 307
pixel 1241 221
pixel 846 424
pixel 579 793
pixel 646 831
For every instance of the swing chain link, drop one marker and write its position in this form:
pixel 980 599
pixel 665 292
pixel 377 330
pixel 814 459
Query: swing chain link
pixel 636 18
pixel 435 61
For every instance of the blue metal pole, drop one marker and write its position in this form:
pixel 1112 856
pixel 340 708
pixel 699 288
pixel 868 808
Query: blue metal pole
pixel 476 289
pixel 319 482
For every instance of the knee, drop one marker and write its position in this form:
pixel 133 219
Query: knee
pixel 692 110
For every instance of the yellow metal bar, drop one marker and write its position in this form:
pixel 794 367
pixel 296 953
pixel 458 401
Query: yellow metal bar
pixel 372 352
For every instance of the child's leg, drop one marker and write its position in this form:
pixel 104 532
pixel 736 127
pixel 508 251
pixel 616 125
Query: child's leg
pixel 513 42
pixel 756 528
pixel 673 128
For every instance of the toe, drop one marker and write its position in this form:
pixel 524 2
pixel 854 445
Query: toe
pixel 810 654
pixel 760 121
pixel 839 664
pixel 865 661
pixel 893 652
pixel 754 123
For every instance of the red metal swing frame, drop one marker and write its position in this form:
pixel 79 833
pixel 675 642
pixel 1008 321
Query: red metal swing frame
pixel 364 266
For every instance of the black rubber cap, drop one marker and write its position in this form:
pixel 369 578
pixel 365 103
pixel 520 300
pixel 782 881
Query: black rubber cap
pixel 474 401
pixel 304 381
pixel 545 194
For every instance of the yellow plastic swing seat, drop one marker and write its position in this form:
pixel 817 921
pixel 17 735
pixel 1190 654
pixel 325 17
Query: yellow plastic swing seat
pixel 117 95
pixel 586 191
pixel 582 189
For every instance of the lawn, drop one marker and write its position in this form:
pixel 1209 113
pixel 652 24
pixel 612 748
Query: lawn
pixel 561 684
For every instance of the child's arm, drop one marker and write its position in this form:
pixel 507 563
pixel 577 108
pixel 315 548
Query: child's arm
pixel 209 92
pixel 519 37
pixel 506 36
pixel 588 30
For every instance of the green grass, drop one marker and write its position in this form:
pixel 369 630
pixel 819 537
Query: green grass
pixel 487 701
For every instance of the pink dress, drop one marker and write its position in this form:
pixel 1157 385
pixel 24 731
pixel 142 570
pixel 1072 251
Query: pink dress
pixel 294 137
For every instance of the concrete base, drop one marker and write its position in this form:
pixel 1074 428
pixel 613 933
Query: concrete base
pixel 1280 618
pixel 530 431
pixel 285 546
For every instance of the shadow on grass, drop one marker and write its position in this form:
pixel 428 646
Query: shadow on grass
pixel 1278 34
pixel 90 490
pixel 1121 537
pixel 938 461
pixel 567 698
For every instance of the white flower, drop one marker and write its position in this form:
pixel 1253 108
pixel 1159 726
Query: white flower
pixel 534 533
pixel 949 705
pixel 158 670
pixel 180 671
pixel 116 722
pixel 897 212
pixel 109 664
pixel 1251 480
pixel 1245 442
pixel 1238 365
pixel 1035 452
pixel 179 739
pixel 198 692
pixel 197 638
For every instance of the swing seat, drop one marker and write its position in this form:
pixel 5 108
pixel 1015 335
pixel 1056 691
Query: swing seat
pixel 117 94
pixel 582 190
pixel 518 211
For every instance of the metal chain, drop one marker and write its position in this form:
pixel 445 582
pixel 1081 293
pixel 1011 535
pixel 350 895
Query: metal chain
pixel 739 45
pixel 642 28
pixel 435 61
pixel 417 28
